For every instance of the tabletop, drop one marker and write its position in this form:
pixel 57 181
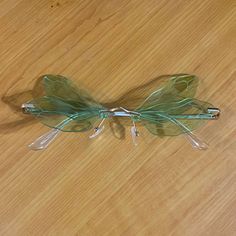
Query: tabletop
pixel 107 185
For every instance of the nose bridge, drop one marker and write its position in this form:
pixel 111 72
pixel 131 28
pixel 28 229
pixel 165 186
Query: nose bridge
pixel 118 111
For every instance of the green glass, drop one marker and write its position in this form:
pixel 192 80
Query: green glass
pixel 62 105
pixel 166 106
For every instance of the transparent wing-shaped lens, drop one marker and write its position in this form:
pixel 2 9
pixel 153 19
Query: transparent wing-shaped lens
pixel 56 99
pixel 191 113
pixel 161 90
pixel 60 87
pixel 173 88
pixel 183 85
pixel 52 111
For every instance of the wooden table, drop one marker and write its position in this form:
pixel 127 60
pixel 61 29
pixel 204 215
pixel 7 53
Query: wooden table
pixel 106 186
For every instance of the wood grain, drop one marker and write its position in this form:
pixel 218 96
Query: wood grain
pixel 106 186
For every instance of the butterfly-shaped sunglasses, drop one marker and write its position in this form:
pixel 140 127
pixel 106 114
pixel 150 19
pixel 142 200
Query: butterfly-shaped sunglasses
pixel 166 107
